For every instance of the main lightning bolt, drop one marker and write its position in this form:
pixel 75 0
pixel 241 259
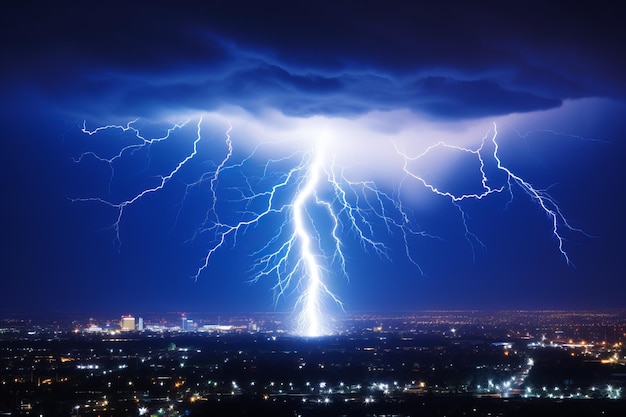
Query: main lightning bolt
pixel 316 203
pixel 311 316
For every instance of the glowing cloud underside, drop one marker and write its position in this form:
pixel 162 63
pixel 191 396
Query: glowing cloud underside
pixel 314 189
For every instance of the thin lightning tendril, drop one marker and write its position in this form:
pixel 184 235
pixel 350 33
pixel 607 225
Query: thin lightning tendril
pixel 547 204
pixel 164 179
pixel 316 203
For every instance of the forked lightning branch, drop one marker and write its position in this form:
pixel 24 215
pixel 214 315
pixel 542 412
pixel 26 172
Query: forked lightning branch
pixel 314 204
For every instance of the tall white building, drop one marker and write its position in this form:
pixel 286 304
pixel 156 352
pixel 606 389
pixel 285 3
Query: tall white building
pixel 187 323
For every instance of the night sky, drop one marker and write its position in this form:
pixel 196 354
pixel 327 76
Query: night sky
pixel 366 75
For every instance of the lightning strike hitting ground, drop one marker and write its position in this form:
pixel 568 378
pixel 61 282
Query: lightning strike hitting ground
pixel 316 204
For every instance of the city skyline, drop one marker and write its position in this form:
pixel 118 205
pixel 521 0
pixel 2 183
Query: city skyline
pixel 371 79
pixel 503 363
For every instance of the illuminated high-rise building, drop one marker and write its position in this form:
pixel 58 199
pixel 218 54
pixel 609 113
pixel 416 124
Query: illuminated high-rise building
pixel 140 324
pixel 127 323
pixel 187 323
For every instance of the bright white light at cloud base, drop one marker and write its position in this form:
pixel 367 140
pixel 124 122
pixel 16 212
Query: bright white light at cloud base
pixel 363 145
pixel 321 179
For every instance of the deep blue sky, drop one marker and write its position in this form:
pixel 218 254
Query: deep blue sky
pixel 554 74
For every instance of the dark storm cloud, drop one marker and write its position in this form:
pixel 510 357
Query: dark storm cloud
pixel 339 58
